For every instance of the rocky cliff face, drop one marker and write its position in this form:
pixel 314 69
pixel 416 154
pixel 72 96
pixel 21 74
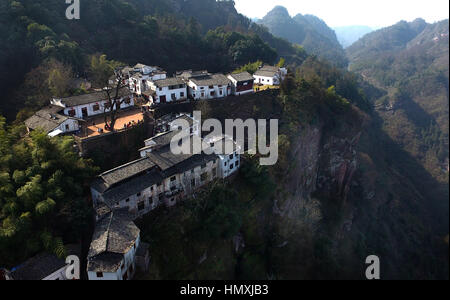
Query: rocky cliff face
pixel 324 162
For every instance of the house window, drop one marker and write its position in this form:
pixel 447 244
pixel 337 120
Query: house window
pixel 174 97
pixel 231 167
pixel 141 205
pixel 67 127
pixel 96 107
pixel 72 112
pixel 193 182
pixel 231 156
pixel 181 94
pixel 128 200
pixel 174 178
pixel 99 274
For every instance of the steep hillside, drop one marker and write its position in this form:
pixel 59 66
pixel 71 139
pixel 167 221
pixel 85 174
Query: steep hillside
pixel 408 63
pixel 347 35
pixel 170 34
pixel 308 31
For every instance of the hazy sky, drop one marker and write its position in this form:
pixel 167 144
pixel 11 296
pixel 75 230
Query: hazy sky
pixel 378 13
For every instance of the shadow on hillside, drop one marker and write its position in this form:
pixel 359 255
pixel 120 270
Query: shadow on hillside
pixel 407 233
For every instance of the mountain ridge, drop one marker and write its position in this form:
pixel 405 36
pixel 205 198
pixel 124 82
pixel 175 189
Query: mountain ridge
pixel 309 31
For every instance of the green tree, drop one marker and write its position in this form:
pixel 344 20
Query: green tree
pixel 43 190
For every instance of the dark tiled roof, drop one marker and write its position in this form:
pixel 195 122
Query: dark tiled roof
pixel 46 119
pixel 267 71
pixel 270 68
pixel 169 82
pixel 172 164
pixel 208 80
pixel 244 76
pixel 42 265
pixel 186 118
pixel 126 171
pixel 93 97
pixel 189 74
pixel 38 267
pixel 115 234
pixel 162 139
pixel 105 262
pixel 132 187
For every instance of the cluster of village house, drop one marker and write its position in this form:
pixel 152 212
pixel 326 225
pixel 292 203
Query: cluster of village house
pixel 158 178
pixel 67 115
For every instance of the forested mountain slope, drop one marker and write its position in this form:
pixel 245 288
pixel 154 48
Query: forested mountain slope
pixel 408 64
pixel 171 34
pixel 350 182
pixel 308 31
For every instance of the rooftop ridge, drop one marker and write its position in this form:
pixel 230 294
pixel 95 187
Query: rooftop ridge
pixel 122 166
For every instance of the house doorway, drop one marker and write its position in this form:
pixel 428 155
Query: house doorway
pixel 162 99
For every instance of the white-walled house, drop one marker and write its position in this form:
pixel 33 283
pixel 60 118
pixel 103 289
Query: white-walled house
pixel 141 75
pixel 159 178
pixel 167 90
pixel 92 104
pixel 204 86
pixel 194 125
pixel 269 75
pixel 229 153
pixel 242 83
pixel 52 121
pixel 115 244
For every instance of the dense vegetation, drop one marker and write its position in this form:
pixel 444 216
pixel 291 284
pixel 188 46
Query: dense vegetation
pixel 43 185
pixel 202 238
pixel 404 152
pixel 170 34
pixel 308 31
pixel 409 63
pixel 397 205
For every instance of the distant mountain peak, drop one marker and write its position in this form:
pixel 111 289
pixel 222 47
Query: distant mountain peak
pixel 308 31
pixel 280 11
